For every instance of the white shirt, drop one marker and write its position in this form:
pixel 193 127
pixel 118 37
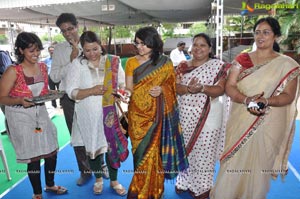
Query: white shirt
pixel 177 56
pixel 61 63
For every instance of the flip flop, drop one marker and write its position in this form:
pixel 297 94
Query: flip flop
pixel 98 187
pixel 119 189
pixel 59 190
pixel 178 190
pixel 37 196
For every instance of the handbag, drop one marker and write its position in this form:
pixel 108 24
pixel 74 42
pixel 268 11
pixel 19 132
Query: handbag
pixel 123 119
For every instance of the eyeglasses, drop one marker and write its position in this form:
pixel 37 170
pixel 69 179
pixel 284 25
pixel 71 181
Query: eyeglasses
pixel 141 43
pixel 70 29
pixel 264 32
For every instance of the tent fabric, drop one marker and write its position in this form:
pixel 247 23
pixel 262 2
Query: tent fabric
pixel 116 12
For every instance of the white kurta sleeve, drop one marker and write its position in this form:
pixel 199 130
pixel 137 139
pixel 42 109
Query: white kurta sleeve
pixel 73 79
pixel 59 66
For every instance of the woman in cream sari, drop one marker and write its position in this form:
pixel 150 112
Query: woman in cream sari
pixel 154 131
pixel 258 140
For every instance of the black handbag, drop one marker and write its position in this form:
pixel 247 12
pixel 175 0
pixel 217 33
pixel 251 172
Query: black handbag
pixel 123 119
pixel 124 123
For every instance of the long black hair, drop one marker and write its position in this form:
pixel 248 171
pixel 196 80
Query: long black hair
pixel 26 40
pixel 151 39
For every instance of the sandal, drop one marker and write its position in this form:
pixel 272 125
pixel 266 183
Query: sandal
pixel 204 195
pixel 37 196
pixel 59 190
pixel 119 189
pixel 98 187
pixel 178 190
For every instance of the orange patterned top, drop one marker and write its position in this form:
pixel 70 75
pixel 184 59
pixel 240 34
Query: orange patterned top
pixel 20 88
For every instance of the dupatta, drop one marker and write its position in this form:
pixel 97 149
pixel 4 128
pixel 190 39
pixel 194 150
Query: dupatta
pixel 117 142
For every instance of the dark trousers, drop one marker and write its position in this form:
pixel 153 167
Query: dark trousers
pixel 34 173
pixel 96 166
pixel 53 86
pixel 80 152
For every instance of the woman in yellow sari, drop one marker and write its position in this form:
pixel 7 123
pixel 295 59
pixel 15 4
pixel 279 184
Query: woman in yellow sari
pixel 258 139
pixel 156 138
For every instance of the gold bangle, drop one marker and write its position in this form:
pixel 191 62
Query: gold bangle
pixel 188 90
pixel 267 102
pixel 245 101
pixel 128 92
pixel 202 89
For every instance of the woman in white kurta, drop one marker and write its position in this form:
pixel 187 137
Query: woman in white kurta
pixel 202 81
pixel 93 78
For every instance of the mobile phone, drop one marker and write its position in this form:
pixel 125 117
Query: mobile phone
pixel 253 105
pixel 261 105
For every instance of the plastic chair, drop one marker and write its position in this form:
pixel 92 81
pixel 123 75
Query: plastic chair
pixel 3 157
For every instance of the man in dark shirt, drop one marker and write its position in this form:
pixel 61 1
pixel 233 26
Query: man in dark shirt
pixel 5 61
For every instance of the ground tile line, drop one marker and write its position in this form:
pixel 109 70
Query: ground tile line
pixel 294 170
pixel 21 180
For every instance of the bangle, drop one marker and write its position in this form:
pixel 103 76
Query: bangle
pixel 202 89
pixel 188 89
pixel 128 92
pixel 267 102
pixel 245 101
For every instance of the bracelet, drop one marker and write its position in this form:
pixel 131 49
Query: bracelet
pixel 188 89
pixel 267 102
pixel 128 92
pixel 202 89
pixel 245 101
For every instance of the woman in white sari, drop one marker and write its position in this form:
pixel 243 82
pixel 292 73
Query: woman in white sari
pixel 200 82
pixel 258 139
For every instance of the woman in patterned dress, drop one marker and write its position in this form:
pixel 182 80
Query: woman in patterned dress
pixel 200 82
pixel 32 133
